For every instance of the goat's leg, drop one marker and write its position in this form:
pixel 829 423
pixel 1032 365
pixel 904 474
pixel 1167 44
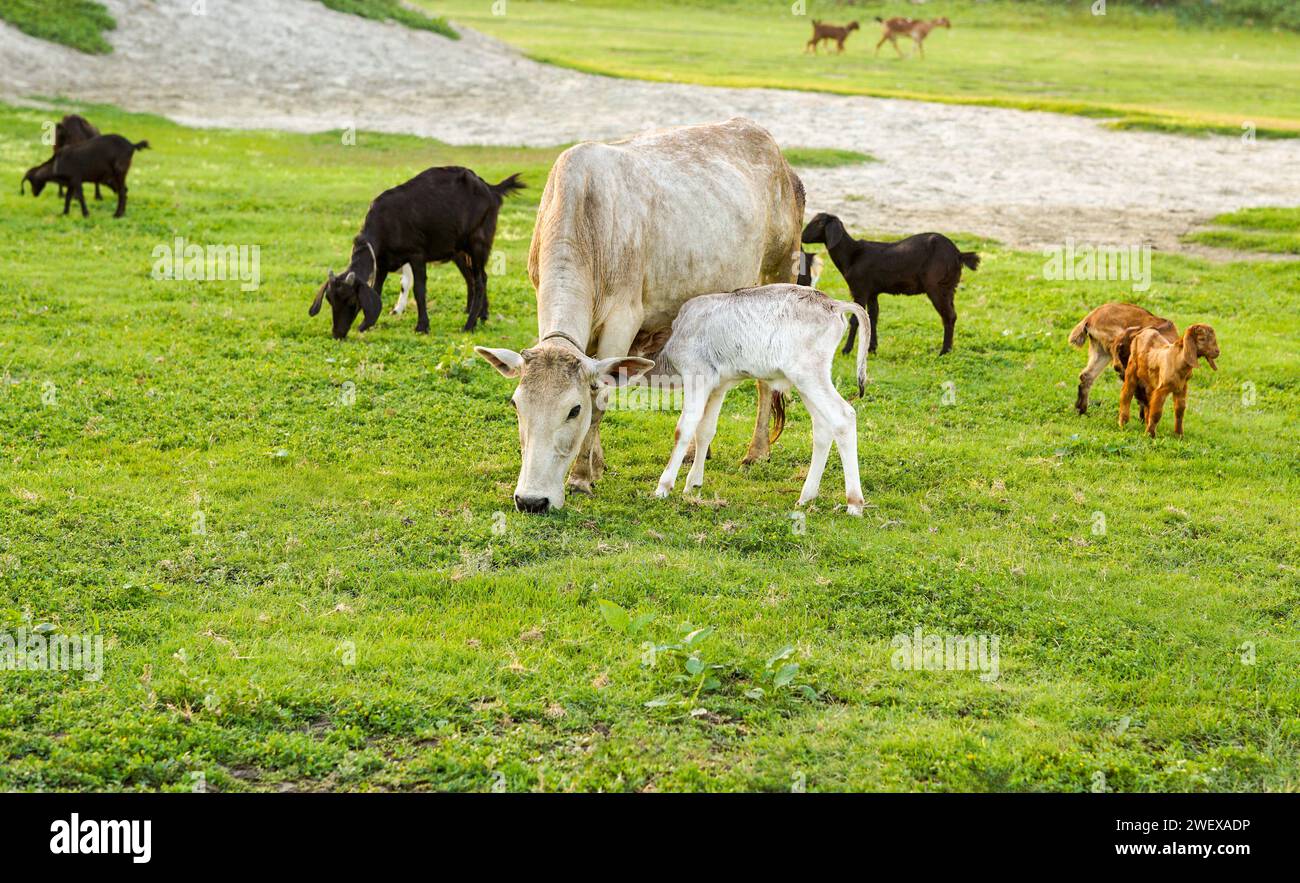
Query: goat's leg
pixel 1126 393
pixel 81 198
pixel 697 396
pixel 881 43
pixel 873 313
pixel 407 283
pixel 920 48
pixel 419 278
pixel 943 305
pixel 1180 408
pixel 67 198
pixel 121 199
pixel 1098 359
pixel 1155 409
pixel 99 198
pixel 853 334
pixel 462 262
pixel 704 434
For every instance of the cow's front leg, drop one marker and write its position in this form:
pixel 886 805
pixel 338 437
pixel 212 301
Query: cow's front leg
pixel 615 340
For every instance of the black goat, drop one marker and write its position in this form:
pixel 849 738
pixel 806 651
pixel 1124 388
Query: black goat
pixel 442 214
pixel 925 263
pixel 104 159
pixel 74 129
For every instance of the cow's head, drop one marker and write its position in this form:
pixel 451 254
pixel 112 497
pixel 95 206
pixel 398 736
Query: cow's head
pixel 558 390
pixel 348 295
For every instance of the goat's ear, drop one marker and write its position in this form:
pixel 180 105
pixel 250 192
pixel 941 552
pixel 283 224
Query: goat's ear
pixel 834 230
pixel 619 370
pixel 371 305
pixel 508 362
pixel 320 296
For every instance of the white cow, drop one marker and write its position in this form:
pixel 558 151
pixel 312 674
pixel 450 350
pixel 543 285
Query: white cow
pixel 626 233
pixel 785 335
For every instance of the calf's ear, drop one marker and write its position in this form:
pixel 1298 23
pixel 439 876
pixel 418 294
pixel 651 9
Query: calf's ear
pixel 619 370
pixel 508 362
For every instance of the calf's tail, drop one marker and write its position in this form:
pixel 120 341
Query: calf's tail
pixel 778 417
pixel 864 337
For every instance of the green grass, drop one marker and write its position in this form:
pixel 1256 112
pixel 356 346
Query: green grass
pixel 1275 230
pixel 1140 69
pixel 76 23
pixel 824 157
pixel 394 10
pixel 379 533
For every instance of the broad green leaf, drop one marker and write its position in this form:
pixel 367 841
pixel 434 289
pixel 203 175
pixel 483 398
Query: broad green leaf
pixel 615 616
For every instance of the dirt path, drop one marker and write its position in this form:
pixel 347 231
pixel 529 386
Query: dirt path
pixel 1028 179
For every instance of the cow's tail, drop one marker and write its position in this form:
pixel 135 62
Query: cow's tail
pixel 970 259
pixel 508 186
pixel 864 338
pixel 778 417
pixel 1079 336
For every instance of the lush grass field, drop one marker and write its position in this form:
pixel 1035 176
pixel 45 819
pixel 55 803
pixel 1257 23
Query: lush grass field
pixel 1275 230
pixel 1143 69
pixel 301 557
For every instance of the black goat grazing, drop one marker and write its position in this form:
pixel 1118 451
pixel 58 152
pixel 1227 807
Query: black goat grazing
pixel 926 263
pixel 74 129
pixel 442 214
pixel 104 159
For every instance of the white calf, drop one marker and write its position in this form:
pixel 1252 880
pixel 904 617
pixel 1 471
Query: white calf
pixel 783 335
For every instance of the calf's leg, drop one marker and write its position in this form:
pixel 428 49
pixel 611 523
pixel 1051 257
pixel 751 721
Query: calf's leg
pixel 692 414
pixel 704 434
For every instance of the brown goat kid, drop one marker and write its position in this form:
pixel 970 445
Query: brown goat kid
pixel 916 29
pixel 1104 331
pixel 1165 368
pixel 822 31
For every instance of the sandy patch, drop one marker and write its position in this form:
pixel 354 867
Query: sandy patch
pixel 1028 179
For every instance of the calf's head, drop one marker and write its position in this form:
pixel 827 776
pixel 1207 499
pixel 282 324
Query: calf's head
pixel 348 295
pixel 1207 345
pixel 554 402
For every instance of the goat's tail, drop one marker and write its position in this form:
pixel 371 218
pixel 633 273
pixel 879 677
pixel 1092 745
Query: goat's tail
pixel 508 186
pixel 970 259
pixel 864 338
pixel 879 19
pixel 778 417
pixel 142 145
pixel 1079 336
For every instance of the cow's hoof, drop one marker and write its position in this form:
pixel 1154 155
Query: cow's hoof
pixel 855 509
pixel 662 492
pixel 752 457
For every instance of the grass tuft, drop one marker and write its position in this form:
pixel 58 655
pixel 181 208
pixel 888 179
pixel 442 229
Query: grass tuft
pixel 394 10
pixel 76 23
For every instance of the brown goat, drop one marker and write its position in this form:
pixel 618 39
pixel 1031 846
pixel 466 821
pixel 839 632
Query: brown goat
pixel 1165 368
pixel 1103 330
pixel 822 31
pixel 915 28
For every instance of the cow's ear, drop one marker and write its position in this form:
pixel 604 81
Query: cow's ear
pixel 619 371
pixel 508 362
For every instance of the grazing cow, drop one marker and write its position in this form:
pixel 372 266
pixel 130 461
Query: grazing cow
pixel 926 262
pixel 916 29
pixel 442 214
pixel 823 31
pixel 626 233
pixel 785 335
pixel 1104 331
pixel 1164 368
